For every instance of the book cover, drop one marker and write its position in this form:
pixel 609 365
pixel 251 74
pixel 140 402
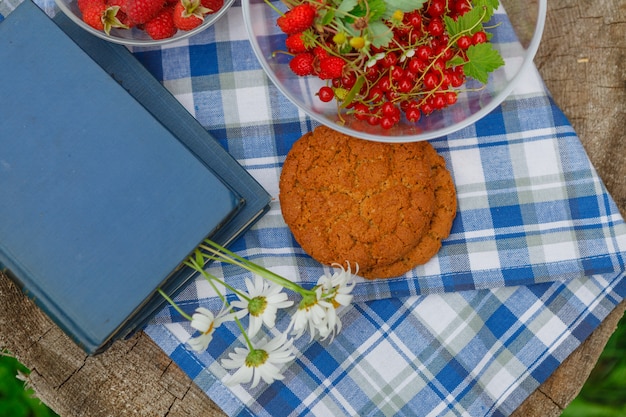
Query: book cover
pixel 102 197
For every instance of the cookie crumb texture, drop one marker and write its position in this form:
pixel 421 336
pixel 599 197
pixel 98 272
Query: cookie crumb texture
pixel 384 206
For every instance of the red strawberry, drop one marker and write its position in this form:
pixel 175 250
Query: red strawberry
pixel 212 5
pixel 120 13
pixel 162 25
pixel 331 67
pixel 298 19
pixel 100 16
pixel 93 14
pixel 140 11
pixel 84 4
pixel 302 64
pixel 295 43
pixel 189 14
pixel 320 52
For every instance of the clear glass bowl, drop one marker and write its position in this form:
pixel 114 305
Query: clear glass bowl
pixel 134 36
pixel 517 39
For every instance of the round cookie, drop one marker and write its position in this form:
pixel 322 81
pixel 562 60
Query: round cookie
pixel 347 199
pixel 441 223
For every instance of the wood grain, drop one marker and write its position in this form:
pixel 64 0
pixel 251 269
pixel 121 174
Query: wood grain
pixel 581 60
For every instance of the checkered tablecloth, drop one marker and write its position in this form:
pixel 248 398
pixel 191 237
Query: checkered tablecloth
pixel 534 263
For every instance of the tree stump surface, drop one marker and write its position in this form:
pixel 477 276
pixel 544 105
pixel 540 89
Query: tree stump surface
pixel 581 60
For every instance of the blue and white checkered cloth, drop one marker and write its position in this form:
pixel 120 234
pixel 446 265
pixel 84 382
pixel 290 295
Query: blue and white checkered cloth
pixel 534 263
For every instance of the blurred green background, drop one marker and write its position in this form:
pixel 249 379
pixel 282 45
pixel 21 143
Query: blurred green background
pixel 604 394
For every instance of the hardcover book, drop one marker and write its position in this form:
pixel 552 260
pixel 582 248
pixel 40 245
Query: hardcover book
pixel 107 182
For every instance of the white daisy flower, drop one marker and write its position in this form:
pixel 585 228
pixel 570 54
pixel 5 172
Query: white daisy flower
pixel 319 315
pixel 337 288
pixel 262 301
pixel 260 363
pixel 312 315
pixel 205 322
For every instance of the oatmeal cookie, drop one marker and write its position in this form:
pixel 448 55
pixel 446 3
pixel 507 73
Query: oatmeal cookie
pixel 365 202
pixel 439 228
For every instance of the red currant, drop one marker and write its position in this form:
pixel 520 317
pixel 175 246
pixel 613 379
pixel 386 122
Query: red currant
pixel 348 80
pixel 390 59
pixel 388 108
pixel 373 119
pixel 384 84
pixel 387 122
pixel 436 8
pixel 426 108
pixel 423 52
pixel 431 80
pixel 416 65
pixel 413 114
pixel 439 101
pixel 414 19
pixel 464 42
pixel 361 111
pixel 479 37
pixel 462 7
pixel 397 72
pixel 326 94
pixel 376 94
pixel 451 97
pixel 435 27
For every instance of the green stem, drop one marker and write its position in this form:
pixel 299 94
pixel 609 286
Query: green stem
pixel 225 255
pixel 210 278
pixel 173 304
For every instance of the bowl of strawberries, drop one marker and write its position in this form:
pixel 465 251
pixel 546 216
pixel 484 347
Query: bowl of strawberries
pixel 144 22
pixel 395 70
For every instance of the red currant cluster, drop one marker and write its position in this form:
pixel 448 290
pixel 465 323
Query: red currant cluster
pixel 413 74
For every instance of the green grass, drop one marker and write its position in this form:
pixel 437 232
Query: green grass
pixel 15 399
pixel 603 395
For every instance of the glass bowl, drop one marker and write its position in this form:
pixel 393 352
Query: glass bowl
pixel 516 35
pixel 135 36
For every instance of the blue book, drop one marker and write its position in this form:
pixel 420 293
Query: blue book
pixel 107 182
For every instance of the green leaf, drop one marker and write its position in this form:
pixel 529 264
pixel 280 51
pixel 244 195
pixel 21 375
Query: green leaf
pixel 482 59
pixel 380 34
pixel 327 16
pixel 489 5
pixel 346 6
pixel 404 5
pixel 373 9
pixel 456 61
pixel 353 91
pixel 470 22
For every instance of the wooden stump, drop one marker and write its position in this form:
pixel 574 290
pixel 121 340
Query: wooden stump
pixel 581 60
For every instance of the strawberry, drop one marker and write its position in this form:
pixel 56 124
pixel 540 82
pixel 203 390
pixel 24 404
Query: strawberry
pixel 99 15
pixel 120 13
pixel 162 25
pixel 212 5
pixel 302 64
pixel 189 14
pixel 295 43
pixel 298 19
pixel 140 11
pixel 331 67
pixel 93 14
pixel 85 4
pixel 320 52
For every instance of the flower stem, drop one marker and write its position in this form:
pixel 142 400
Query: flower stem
pixel 211 278
pixel 222 254
pixel 173 304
